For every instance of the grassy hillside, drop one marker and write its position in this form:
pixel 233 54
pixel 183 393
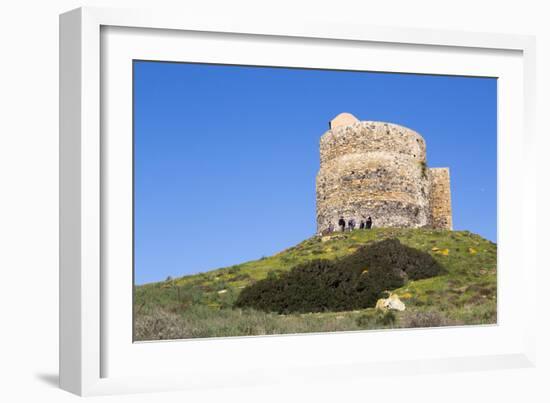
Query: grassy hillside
pixel 201 305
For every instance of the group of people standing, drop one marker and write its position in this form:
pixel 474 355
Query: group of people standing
pixel 363 224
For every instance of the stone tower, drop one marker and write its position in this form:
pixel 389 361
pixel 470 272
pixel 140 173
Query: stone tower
pixel 379 170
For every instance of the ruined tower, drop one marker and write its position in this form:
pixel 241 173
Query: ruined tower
pixel 379 170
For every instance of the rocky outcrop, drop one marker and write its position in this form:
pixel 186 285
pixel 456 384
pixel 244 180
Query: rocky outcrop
pixel 392 303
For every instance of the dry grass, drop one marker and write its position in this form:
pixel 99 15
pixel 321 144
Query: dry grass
pixel 200 321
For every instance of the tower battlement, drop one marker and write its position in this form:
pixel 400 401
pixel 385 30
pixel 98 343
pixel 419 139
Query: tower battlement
pixel 379 169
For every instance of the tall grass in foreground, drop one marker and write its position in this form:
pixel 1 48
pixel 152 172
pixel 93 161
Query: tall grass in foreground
pixel 200 321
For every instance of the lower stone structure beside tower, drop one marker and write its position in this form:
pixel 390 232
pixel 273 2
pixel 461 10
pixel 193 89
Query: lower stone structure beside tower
pixel 379 170
pixel 440 198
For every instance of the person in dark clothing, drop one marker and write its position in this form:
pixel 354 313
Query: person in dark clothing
pixel 351 224
pixel 369 223
pixel 362 224
pixel 342 223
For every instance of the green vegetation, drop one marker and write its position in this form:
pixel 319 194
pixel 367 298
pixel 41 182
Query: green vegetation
pixel 424 168
pixel 355 281
pixel 202 305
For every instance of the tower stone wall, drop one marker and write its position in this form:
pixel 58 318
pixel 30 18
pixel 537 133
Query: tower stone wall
pixel 440 198
pixel 379 170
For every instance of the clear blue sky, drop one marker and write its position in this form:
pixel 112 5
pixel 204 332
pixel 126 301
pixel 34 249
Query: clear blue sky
pixel 225 157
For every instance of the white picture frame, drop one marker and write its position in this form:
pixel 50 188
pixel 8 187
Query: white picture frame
pixel 96 354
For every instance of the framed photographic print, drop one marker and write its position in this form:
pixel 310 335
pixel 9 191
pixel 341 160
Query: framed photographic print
pixel 238 196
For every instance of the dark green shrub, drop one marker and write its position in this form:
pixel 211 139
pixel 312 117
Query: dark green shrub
pixel 365 320
pixel 375 319
pixel 386 318
pixel 353 282
pixel 413 264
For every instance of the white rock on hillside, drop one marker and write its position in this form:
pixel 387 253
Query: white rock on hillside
pixel 393 303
